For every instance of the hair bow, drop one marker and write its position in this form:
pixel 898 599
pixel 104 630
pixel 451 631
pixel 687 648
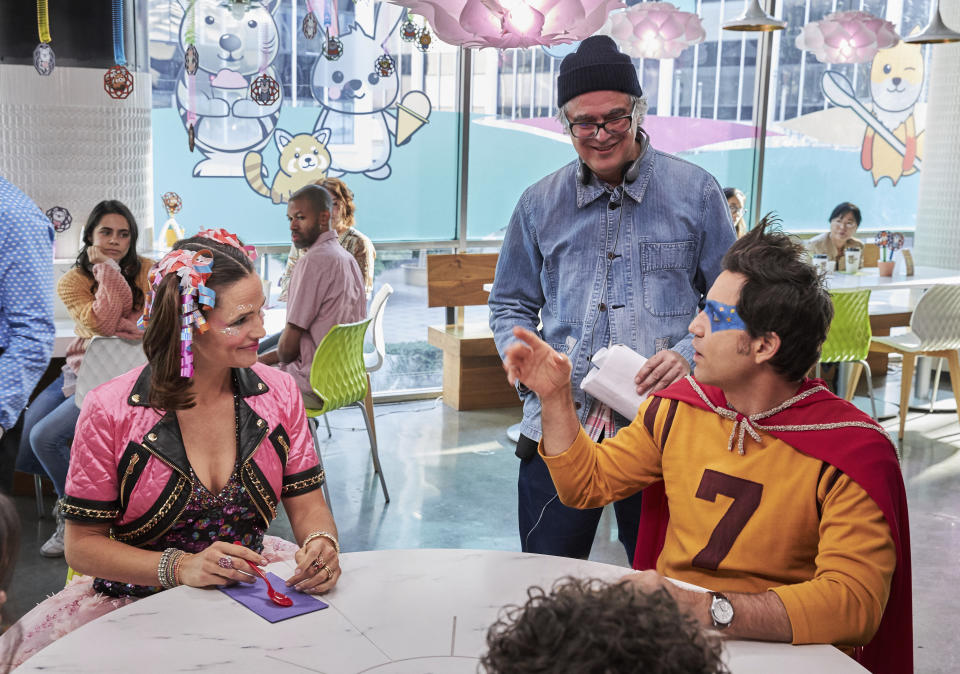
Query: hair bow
pixel 223 236
pixel 193 269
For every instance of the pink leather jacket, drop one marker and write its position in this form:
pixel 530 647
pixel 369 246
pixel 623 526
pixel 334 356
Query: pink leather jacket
pixel 128 465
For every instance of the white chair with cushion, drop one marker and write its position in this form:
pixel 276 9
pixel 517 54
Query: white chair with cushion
pixel 934 331
pixel 104 359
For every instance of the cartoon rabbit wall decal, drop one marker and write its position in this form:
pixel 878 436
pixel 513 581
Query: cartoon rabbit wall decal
pixel 355 97
pixel 233 43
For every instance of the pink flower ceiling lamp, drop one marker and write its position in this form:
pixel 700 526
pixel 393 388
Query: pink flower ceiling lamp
pixel 847 37
pixel 512 23
pixel 655 30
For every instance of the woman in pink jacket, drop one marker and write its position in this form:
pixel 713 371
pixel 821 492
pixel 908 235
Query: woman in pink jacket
pixel 178 467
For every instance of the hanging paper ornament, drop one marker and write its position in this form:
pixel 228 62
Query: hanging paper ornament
pixel 424 40
pixel 384 65
pixel 409 31
pixel 172 202
pixel 60 217
pixel 44 60
pixel 191 60
pixel 118 82
pixel 264 90
pixel 191 63
pixel 333 49
pixel 310 25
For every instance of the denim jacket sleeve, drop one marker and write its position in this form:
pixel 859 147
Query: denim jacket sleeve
pixel 718 236
pixel 517 294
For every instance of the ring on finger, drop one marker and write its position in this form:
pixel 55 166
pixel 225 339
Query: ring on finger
pixel 225 562
pixel 329 572
pixel 317 564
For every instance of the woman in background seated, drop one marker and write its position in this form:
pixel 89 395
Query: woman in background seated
pixel 737 201
pixel 844 221
pixel 179 466
pixel 353 241
pixel 104 293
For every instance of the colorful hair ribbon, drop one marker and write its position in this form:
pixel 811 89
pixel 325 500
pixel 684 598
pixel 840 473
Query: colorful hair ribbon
pixel 228 238
pixel 193 269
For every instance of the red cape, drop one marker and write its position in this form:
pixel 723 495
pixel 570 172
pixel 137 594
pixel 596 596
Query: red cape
pixel 864 455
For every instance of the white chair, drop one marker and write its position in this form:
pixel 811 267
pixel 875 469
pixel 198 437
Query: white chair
pixel 934 331
pixel 376 315
pixel 104 359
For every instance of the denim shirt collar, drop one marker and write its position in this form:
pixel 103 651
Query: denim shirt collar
pixel 587 194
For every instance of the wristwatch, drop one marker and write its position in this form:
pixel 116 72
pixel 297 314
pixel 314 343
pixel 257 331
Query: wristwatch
pixel 721 611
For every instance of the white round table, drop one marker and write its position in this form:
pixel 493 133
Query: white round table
pixel 393 611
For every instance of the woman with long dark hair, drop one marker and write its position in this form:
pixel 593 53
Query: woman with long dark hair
pixel 104 293
pixel 179 466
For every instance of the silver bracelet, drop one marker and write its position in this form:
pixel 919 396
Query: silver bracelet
pixel 322 534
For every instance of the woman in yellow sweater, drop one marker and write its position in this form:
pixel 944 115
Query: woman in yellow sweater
pixel 104 293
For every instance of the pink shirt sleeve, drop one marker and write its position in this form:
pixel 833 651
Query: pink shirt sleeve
pixel 308 289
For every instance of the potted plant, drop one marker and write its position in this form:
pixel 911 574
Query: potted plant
pixel 888 243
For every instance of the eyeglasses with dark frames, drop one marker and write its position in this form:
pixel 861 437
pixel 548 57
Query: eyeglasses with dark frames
pixel 614 127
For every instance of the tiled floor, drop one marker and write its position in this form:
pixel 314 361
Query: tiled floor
pixel 452 481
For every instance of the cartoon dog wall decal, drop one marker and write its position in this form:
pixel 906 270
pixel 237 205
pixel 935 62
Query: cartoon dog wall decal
pixel 233 42
pixel 896 80
pixel 354 94
pixel 304 160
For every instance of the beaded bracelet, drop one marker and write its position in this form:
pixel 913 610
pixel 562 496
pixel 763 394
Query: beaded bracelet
pixel 322 534
pixel 166 569
pixel 178 560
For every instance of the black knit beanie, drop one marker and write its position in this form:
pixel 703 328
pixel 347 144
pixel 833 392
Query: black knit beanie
pixel 597 65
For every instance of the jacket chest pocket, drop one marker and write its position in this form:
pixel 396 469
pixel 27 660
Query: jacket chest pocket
pixel 666 269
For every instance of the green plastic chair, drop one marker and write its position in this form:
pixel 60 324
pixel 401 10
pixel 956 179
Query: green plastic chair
pixel 338 376
pixel 848 339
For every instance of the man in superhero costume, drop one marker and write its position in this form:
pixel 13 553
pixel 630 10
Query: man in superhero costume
pixel 783 500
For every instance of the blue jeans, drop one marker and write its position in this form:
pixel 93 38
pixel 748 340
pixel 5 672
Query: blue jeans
pixel 48 429
pixel 548 527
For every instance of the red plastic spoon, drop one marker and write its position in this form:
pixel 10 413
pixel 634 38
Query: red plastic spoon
pixel 277 598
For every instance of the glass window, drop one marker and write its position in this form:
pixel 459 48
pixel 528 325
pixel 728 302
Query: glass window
pixel 366 106
pixel 821 151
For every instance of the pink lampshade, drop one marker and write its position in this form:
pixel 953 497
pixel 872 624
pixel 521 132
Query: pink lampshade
pixel 847 37
pixel 512 23
pixel 655 30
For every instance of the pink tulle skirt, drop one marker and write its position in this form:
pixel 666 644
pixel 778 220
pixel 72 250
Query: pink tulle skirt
pixel 77 604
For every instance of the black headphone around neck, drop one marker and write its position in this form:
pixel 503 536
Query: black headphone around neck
pixel 632 171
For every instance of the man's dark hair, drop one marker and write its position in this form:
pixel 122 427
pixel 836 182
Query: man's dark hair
pixel 783 293
pixel 587 626
pixel 318 197
pixel 846 207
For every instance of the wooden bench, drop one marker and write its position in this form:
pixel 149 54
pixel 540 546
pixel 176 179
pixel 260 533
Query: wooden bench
pixel 473 376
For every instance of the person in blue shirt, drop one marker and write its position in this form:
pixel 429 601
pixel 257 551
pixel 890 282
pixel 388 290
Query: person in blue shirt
pixel 617 247
pixel 26 305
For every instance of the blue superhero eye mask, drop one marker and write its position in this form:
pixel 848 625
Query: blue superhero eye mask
pixel 723 316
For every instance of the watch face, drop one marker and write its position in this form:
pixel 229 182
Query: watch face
pixel 721 610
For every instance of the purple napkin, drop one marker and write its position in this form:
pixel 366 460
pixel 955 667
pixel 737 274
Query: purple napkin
pixel 255 598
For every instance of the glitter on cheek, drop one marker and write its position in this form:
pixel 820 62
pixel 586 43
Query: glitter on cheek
pixel 230 331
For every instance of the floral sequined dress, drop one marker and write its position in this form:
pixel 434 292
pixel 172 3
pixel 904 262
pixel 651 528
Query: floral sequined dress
pixel 228 516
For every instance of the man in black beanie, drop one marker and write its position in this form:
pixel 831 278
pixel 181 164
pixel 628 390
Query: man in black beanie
pixel 616 247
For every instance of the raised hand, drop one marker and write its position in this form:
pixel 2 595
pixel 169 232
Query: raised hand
pixel 532 362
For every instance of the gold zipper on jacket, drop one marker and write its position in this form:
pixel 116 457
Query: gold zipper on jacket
pixel 128 472
pixel 246 470
pixel 165 462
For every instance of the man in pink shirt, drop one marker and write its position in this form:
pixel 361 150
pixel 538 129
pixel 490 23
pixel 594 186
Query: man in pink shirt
pixel 326 288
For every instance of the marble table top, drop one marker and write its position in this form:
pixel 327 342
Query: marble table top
pixel 394 611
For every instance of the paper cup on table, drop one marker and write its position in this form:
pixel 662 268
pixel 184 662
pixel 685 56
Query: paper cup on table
pixel 412 113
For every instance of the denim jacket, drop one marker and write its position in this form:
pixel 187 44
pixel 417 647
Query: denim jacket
pixel 599 269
